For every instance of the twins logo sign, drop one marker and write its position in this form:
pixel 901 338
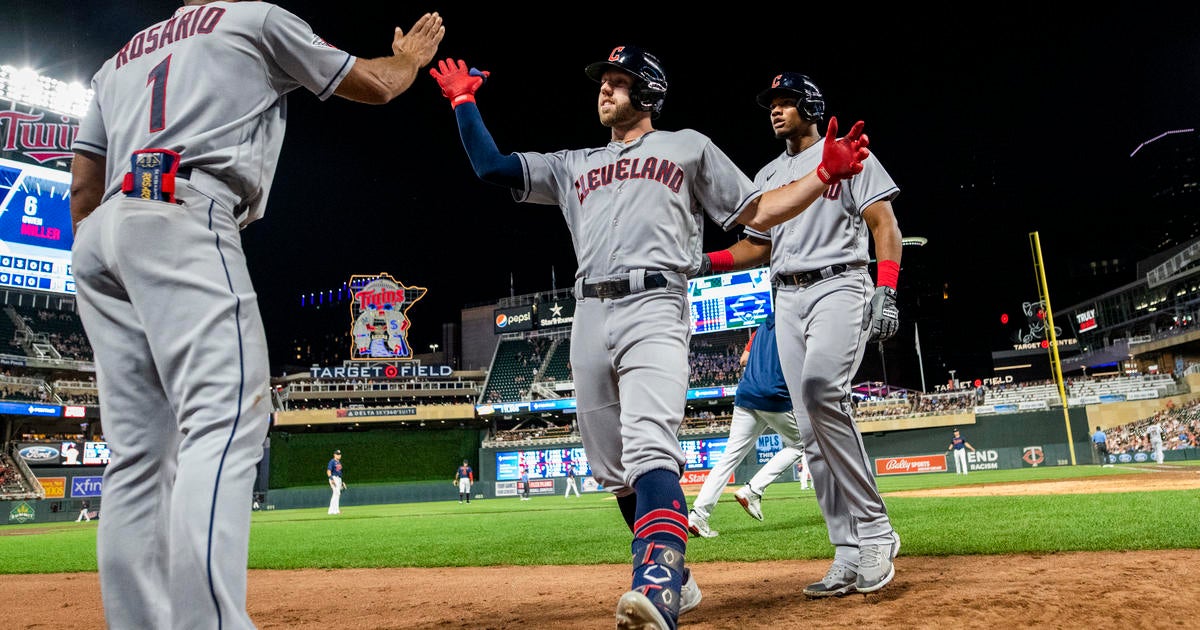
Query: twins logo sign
pixel 379 317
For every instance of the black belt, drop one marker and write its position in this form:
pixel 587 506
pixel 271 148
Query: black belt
pixel 805 278
pixel 184 172
pixel 620 288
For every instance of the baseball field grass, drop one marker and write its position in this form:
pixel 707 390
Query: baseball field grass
pixel 552 530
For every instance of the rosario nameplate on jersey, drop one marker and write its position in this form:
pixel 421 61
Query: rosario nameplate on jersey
pixel 152 175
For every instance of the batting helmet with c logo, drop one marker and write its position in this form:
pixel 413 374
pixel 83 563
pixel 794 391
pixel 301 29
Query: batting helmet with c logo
pixel 649 80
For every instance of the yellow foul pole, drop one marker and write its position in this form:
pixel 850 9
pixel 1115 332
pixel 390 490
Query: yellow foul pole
pixel 1055 363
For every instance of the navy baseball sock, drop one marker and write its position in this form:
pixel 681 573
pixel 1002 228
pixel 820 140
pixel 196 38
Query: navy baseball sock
pixel 661 512
pixel 660 540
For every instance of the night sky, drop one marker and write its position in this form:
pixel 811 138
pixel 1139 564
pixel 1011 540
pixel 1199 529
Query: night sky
pixel 994 126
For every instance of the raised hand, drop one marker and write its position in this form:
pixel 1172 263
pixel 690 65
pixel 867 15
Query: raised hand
pixel 842 157
pixel 458 83
pixel 421 42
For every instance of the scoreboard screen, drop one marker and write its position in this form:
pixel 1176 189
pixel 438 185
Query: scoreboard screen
pixel 541 463
pixel 552 462
pixel 702 454
pixel 738 299
pixel 35 227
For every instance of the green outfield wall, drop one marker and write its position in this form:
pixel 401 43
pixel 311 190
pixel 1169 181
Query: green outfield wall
pixel 399 466
pixel 371 456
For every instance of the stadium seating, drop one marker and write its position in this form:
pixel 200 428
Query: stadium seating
pixel 558 364
pixel 513 368
pixel 713 358
pixel 1180 424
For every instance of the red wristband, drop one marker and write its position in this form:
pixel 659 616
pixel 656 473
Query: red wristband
pixel 721 260
pixel 889 272
pixel 460 99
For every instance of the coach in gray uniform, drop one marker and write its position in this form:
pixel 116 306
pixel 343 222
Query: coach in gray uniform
pixel 827 309
pixel 635 208
pixel 165 174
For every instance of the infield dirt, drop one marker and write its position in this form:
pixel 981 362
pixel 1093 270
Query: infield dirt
pixel 1140 589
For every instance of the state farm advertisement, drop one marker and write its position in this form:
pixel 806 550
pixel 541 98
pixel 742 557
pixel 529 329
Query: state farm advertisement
pixel 910 464
pixel 697 477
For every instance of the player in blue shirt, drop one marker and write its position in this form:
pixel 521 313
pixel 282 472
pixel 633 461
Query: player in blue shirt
pixel 762 402
pixel 333 470
pixel 464 476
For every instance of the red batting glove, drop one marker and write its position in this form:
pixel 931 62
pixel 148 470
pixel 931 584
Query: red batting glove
pixel 458 83
pixel 842 157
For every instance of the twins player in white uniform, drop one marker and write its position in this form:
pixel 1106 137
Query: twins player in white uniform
pixel 762 402
pixel 826 309
pixel 165 296
pixel 635 208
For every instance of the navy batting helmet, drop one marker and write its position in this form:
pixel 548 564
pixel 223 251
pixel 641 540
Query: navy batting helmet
pixel 649 80
pixel 809 99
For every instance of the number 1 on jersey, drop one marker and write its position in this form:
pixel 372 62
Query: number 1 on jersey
pixel 158 95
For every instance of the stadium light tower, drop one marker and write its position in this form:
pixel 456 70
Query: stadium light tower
pixel 27 86
pixel 433 348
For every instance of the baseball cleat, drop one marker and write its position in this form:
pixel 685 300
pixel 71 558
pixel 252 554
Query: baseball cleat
pixel 875 567
pixel 839 580
pixel 636 612
pixel 750 501
pixel 689 593
pixel 698 526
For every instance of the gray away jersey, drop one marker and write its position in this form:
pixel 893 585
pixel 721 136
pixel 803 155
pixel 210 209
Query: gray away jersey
pixel 639 205
pixel 832 229
pixel 155 93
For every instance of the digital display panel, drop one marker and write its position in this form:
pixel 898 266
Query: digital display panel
pixel 738 299
pixel 541 463
pixel 35 227
pixel 702 454
pixel 70 454
pixel 95 453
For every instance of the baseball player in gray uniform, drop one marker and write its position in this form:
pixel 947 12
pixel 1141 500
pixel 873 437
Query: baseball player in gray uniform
pixel 635 208
pixel 165 174
pixel 827 309
pixel 1156 444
